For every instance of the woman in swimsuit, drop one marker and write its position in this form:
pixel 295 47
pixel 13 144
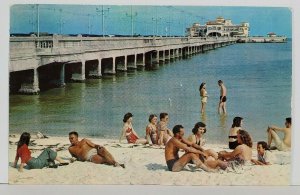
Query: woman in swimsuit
pixel 242 153
pixel 236 125
pixel 129 132
pixel 39 162
pixel 197 138
pixel 203 95
pixel 151 129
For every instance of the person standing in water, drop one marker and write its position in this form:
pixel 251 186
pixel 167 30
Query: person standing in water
pixel 222 102
pixel 203 95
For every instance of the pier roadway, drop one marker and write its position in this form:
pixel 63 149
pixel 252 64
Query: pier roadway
pixel 42 62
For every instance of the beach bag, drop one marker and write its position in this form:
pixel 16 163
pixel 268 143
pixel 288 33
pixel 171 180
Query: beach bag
pixel 51 163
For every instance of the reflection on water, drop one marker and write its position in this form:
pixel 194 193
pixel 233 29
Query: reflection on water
pixel 97 107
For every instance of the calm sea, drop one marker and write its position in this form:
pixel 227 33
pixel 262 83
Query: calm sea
pixel 257 77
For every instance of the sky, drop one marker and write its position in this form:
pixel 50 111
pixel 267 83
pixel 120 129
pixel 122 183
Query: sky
pixel 146 20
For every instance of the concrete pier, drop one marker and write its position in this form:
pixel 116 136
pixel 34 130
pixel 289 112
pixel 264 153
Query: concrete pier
pixel 55 60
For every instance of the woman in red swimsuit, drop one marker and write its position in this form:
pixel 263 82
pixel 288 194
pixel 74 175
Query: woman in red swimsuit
pixel 129 132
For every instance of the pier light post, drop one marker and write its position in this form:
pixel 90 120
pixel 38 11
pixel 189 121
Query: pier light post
pixel 103 11
pixel 61 22
pixel 131 15
pixel 38 19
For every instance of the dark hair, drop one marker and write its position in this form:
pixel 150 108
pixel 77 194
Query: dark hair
pixel 73 133
pixel 289 120
pixel 127 116
pixel 220 81
pixel 176 129
pixel 236 121
pixel 263 144
pixel 24 139
pixel 151 117
pixel 196 127
pixel 163 115
pixel 245 137
pixel 201 86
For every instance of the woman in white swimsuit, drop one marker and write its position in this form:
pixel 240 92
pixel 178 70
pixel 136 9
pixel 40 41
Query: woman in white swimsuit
pixel 151 129
pixel 203 95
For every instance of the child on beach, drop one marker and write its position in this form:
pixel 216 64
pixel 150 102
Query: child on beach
pixel 43 160
pixel 264 156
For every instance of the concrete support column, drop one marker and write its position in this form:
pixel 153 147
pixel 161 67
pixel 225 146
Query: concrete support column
pixel 35 80
pixel 62 76
pixel 82 77
pixel 135 60
pixel 96 73
pixel 125 63
pixel 157 56
pixel 114 65
pixel 31 88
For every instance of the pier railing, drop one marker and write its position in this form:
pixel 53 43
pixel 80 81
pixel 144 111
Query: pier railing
pixel 58 44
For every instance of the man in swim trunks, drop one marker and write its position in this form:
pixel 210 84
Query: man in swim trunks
pixel 85 150
pixel 282 145
pixel 222 102
pixel 177 142
pixel 165 134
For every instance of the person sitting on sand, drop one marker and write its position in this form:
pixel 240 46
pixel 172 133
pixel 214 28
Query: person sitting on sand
pixel 236 125
pixel 165 134
pixel 242 153
pixel 129 132
pixel 197 138
pixel 264 156
pixel 281 145
pixel 151 129
pixel 34 163
pixel 85 150
pixel 194 154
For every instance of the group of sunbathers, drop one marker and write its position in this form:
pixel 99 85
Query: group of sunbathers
pixel 159 134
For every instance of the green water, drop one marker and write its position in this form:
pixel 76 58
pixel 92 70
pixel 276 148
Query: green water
pixel 257 77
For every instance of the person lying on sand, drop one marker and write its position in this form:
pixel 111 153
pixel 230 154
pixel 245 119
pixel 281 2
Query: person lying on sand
pixel 264 156
pixel 242 153
pixel 193 153
pixel 85 150
pixel 285 143
pixel 43 160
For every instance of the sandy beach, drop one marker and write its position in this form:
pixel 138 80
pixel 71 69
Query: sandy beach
pixel 144 165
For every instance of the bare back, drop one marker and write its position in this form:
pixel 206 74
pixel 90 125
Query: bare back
pixel 287 137
pixel 244 152
pixel 80 150
pixel 223 91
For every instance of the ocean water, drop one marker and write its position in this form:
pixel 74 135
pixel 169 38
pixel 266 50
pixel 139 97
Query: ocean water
pixel 258 78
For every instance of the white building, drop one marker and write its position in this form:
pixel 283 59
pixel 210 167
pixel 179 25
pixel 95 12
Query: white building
pixel 219 27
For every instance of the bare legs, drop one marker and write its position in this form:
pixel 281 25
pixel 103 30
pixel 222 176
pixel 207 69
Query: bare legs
pixel 141 141
pixel 182 161
pixel 104 157
pixel 203 105
pixel 222 107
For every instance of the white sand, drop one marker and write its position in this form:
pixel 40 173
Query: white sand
pixel 144 165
